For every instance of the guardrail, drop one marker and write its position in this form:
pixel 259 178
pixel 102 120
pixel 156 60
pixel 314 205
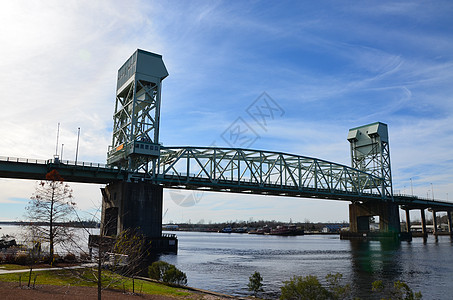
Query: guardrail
pixel 420 198
pixel 58 162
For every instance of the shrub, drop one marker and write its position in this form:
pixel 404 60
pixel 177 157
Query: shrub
pixel 255 284
pixel 69 258
pixel 9 259
pixel 399 291
pixel 85 256
pixel 22 259
pixel 166 272
pixel 304 288
pixel 175 276
pixel 57 258
pixel 337 290
pixel 157 270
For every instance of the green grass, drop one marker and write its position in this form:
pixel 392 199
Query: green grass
pixel 86 277
pixel 12 267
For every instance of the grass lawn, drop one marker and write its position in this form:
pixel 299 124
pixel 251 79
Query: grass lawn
pixel 86 277
pixel 12 267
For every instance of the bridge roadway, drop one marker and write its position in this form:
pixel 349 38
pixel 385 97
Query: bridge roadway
pixel 232 170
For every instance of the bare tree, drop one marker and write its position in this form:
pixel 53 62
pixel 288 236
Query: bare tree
pixel 115 258
pixel 49 210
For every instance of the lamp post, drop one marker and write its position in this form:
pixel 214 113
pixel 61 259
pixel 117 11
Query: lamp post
pixel 432 191
pixel 412 188
pixel 77 147
pixel 61 156
pixel 58 135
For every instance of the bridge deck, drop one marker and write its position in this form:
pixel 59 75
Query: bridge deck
pixel 207 172
pixel 36 169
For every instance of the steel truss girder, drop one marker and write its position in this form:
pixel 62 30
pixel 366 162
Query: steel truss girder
pixel 264 172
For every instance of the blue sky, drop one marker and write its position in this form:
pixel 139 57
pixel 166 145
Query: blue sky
pixel 330 66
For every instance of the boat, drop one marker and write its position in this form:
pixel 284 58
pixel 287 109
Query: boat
pixel 287 230
pixel 240 230
pixel 7 241
pixel 227 229
pixel 261 230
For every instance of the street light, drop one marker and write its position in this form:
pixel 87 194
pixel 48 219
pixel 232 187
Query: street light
pixel 58 135
pixel 77 147
pixel 412 188
pixel 432 191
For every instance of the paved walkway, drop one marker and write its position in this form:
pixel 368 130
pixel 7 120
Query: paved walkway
pixel 46 269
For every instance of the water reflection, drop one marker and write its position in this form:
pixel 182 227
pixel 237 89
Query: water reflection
pixel 374 260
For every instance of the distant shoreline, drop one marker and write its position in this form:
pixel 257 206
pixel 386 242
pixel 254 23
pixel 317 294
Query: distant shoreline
pixel 83 224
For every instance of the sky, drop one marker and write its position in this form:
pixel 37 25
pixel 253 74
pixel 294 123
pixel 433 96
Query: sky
pixel 329 65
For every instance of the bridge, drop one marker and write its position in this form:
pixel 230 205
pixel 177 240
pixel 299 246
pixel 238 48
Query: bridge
pixel 139 167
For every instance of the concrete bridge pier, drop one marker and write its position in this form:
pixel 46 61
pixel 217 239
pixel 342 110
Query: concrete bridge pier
pixel 424 231
pixel 450 227
pixel 434 223
pixel 408 220
pixel 359 224
pixel 138 206
pixel 130 205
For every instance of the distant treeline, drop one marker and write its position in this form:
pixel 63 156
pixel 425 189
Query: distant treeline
pixel 81 224
pixel 307 226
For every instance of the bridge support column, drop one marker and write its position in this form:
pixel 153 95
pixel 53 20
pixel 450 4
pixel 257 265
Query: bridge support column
pixel 424 232
pixel 128 205
pixel 389 221
pixel 408 220
pixel 450 229
pixel 434 223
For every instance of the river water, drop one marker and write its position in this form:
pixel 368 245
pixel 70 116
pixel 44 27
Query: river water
pixel 223 262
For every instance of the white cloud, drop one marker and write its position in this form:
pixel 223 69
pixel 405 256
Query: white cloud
pixel 329 68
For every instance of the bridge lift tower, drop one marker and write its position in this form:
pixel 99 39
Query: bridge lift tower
pixel 137 202
pixel 135 143
pixel 370 153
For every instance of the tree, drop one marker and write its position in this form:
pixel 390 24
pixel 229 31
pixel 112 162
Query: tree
pixel 50 207
pixel 255 284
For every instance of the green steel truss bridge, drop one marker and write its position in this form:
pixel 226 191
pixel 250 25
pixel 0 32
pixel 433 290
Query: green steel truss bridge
pixel 230 170
pixel 136 156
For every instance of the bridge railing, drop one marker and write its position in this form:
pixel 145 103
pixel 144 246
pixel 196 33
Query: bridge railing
pixel 415 197
pixel 61 163
pixel 23 160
